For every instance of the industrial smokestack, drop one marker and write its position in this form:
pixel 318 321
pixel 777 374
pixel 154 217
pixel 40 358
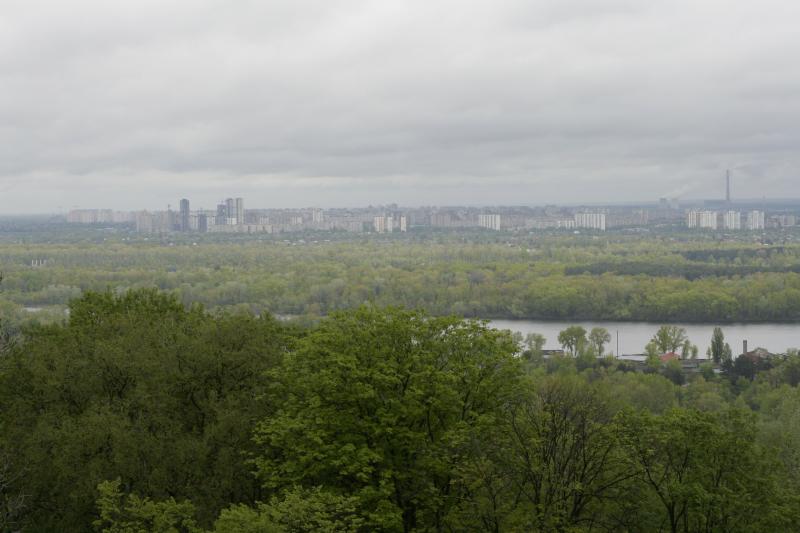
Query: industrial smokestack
pixel 744 346
pixel 728 186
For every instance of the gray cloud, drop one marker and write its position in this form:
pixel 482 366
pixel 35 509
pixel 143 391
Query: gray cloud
pixel 301 102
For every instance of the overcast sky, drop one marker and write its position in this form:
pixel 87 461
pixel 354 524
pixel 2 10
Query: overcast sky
pixel 135 104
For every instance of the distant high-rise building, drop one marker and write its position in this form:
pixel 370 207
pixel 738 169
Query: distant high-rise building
pixel 240 211
pixel 489 221
pixel 184 215
pixel 702 219
pixel 782 221
pixel 732 220
pixel 222 214
pixel 202 223
pixel 156 222
pixel 230 210
pixel 709 219
pixel 95 216
pixel 591 221
pixel 388 223
pixel 379 224
pixel 755 220
pixel 441 220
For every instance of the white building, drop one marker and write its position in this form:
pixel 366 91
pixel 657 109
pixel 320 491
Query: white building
pixel 155 222
pixel 702 219
pixel 383 224
pixel 708 219
pixel 783 221
pixel 240 210
pixel 241 228
pixel 98 216
pixel 591 221
pixel 755 220
pixel 489 221
pixel 732 220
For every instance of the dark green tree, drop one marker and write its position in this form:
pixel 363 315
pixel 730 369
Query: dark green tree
pixel 598 338
pixel 573 339
pixel 380 405
pixel 704 471
pixel 717 345
pixel 136 387
pixel 534 342
pixel 553 465
pixel 669 338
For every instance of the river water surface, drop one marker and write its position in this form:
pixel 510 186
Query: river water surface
pixel 633 336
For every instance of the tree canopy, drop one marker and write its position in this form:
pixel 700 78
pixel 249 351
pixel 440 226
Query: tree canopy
pixel 138 413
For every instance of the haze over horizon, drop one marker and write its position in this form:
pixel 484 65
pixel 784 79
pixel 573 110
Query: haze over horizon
pixel 132 105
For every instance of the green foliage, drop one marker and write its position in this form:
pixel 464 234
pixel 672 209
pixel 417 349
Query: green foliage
pixel 534 343
pixel 377 420
pixel 379 406
pixel 317 509
pixel 704 470
pixel 136 387
pixel 244 519
pixel 12 500
pixel 121 513
pixel 297 511
pixel 669 338
pixel 707 371
pixel 789 368
pixel 598 338
pixel 551 465
pixel 673 372
pixel 509 276
pixel 717 345
pixel 573 339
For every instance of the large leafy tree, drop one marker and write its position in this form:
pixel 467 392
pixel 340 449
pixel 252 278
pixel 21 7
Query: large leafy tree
pixel 554 463
pixel 534 343
pixel 669 338
pixel 136 387
pixel 702 472
pixel 380 406
pixel 598 338
pixel 717 345
pixel 573 339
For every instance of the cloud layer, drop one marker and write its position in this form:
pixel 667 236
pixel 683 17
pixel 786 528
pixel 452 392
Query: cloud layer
pixel 305 102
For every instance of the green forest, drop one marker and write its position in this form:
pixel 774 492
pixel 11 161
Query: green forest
pixel 669 277
pixel 139 413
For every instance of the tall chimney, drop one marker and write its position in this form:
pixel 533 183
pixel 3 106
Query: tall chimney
pixel 728 186
pixel 744 346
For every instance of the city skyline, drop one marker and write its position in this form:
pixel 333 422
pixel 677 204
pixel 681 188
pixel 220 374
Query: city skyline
pixel 230 216
pixel 271 198
pixel 728 199
pixel 348 102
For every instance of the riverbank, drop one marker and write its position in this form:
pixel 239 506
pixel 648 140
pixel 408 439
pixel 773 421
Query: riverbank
pixel 632 337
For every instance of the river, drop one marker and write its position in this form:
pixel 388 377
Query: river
pixel 633 336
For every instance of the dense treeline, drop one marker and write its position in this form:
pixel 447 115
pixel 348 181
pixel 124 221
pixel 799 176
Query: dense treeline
pixel 690 271
pixel 140 414
pixel 644 279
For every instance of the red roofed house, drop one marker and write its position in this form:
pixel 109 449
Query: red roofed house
pixel 669 356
